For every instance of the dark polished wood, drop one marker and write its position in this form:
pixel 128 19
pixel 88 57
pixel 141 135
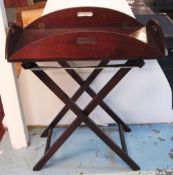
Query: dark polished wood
pixel 82 116
pixel 85 33
pixel 82 16
pixel 84 86
pixel 153 29
pixel 74 39
pixel 48 142
pixel 122 138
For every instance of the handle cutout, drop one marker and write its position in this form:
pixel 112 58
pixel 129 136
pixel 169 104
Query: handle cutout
pixel 86 40
pixel 84 14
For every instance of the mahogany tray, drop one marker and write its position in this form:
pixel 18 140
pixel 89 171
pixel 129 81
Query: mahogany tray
pixel 85 33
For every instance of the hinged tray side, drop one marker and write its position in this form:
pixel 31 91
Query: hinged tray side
pixel 14 33
pixel 84 17
pixel 86 46
pixel 85 33
pixel 155 36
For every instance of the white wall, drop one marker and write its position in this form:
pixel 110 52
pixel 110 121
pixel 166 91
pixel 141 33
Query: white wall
pixel 143 96
pixel 9 92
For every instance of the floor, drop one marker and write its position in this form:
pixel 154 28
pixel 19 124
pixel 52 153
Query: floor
pixel 151 146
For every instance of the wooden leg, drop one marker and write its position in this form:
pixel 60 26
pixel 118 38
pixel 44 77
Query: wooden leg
pixel 83 117
pixel 78 93
pixel 48 142
pixel 84 86
pixel 59 142
pixel 104 106
pixel 122 138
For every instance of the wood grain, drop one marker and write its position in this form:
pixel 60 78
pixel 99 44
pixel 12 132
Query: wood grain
pixel 104 34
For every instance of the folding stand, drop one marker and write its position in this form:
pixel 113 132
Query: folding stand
pixel 86 33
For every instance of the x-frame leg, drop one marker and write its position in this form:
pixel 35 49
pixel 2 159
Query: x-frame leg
pixel 84 86
pixel 82 116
